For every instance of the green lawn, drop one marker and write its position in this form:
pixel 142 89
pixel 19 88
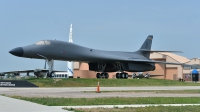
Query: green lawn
pixel 151 91
pixel 110 101
pixel 142 109
pixel 80 82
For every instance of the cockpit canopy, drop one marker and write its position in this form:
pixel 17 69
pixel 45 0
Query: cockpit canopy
pixel 43 42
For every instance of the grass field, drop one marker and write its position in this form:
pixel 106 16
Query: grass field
pixel 142 109
pixel 80 82
pixel 151 91
pixel 110 101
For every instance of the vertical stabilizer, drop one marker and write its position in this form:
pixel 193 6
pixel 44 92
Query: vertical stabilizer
pixel 146 46
pixel 70 64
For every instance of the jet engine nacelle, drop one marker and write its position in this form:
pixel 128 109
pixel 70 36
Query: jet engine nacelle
pixel 39 73
pixel 138 67
pixel 16 74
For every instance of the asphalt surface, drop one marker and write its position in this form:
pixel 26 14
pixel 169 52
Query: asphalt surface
pixel 90 92
pixel 15 105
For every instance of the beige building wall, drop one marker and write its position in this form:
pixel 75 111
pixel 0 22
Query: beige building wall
pixel 76 65
pixel 84 74
pixel 83 66
pixel 178 72
pixel 157 56
pixel 171 73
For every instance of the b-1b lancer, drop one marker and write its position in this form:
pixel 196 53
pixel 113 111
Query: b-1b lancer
pixel 98 60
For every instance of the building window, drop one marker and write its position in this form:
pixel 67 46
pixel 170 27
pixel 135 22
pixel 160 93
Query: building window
pixel 186 67
pixel 195 67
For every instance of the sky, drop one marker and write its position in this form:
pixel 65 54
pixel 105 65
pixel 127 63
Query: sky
pixel 115 25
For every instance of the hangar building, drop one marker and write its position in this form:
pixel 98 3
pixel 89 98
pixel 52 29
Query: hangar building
pixel 162 71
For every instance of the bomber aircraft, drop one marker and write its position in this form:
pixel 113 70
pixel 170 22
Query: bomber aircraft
pixel 98 60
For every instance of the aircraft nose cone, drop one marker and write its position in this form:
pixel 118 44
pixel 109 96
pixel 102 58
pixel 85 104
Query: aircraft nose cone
pixel 17 51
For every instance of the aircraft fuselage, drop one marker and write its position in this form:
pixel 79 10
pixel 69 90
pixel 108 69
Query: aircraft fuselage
pixel 59 50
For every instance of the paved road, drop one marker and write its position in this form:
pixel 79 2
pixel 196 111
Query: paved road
pixel 78 92
pixel 15 105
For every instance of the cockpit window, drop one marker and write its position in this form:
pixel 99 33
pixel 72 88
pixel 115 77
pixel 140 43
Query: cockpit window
pixel 43 42
pixel 47 42
pixel 40 43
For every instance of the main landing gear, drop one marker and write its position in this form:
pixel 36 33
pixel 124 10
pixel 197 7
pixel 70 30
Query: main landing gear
pixel 102 75
pixel 101 68
pixel 122 75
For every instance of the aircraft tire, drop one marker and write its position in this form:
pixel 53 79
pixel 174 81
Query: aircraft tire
pixel 102 75
pixel 98 75
pixel 51 75
pixel 106 75
pixel 122 75
pixel 47 74
pixel 117 75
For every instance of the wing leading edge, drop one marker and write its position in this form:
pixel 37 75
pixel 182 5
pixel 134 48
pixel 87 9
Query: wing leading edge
pixel 152 51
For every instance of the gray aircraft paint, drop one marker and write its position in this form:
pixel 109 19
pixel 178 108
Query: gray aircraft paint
pixel 60 50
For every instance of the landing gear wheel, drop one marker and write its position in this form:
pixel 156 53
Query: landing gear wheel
pixel 102 75
pixel 98 75
pixel 106 75
pixel 122 75
pixel 49 74
pixel 117 75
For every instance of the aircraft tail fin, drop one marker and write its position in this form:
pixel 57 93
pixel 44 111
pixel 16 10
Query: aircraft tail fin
pixel 146 46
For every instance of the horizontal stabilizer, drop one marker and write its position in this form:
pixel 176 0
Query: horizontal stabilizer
pixel 152 51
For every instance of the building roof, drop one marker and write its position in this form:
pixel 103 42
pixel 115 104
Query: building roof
pixel 176 57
